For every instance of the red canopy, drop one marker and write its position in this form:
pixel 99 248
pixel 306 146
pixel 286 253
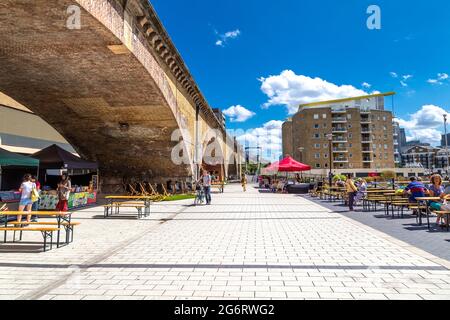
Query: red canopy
pixel 288 165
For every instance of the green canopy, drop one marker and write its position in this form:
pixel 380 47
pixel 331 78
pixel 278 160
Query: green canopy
pixel 13 159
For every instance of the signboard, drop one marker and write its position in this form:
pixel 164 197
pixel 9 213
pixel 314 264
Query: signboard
pixel 10 196
pixel 95 182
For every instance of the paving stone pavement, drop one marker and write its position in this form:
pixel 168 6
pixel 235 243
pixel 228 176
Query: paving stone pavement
pixel 245 246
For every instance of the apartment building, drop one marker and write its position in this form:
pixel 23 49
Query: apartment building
pixel 358 131
pixel 428 157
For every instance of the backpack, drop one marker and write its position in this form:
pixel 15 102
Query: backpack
pixel 34 194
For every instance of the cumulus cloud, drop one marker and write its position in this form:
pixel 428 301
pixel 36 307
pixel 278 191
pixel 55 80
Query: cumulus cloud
pixel 425 124
pixel 366 85
pixel 290 90
pixel 441 77
pixel 225 37
pixel 238 113
pixel 268 137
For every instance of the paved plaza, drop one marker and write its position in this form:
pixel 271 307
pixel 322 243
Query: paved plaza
pixel 244 246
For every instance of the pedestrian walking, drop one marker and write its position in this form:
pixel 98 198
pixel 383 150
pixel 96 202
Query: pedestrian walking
pixel 351 191
pixel 26 203
pixel 244 182
pixel 64 187
pixel 206 181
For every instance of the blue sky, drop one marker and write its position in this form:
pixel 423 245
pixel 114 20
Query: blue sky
pixel 324 39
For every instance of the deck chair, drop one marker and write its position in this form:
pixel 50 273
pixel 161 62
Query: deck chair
pixel 142 188
pixel 133 191
pixel 165 194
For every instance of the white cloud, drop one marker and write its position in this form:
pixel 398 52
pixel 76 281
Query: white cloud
pixel 268 137
pixel 403 79
pixel 290 90
pixel 225 37
pixel 238 113
pixel 366 85
pixel 441 77
pixel 406 77
pixel 425 124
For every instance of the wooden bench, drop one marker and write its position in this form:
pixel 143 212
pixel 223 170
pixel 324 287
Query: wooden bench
pixel 220 186
pixel 109 207
pixel 47 233
pixel 442 214
pixel 69 227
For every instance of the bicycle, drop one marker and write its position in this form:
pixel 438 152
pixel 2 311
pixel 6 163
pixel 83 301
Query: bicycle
pixel 200 196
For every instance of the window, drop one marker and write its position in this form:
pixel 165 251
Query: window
pixel 374 147
pixel 374 137
pixel 350 155
pixel 349 116
pixel 316 117
pixel 325 155
pixel 384 128
pixel 316 126
pixel 350 145
pixel 316 136
pixel 317 146
pixel 317 156
pixel 349 126
pixel 385 147
pixel 318 165
pixel 341 165
pixel 384 118
pixel 350 135
pixel 325 145
pixel 324 116
pixel 326 165
pixel 324 125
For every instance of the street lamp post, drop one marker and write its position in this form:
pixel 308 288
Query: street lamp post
pixel 446 141
pixel 301 149
pixel 330 156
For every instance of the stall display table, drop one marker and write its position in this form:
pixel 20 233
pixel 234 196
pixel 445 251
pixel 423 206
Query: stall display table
pixel 49 201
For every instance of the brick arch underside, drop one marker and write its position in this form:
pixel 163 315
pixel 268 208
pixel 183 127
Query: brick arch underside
pixel 106 105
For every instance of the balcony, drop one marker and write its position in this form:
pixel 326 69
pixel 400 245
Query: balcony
pixel 340 150
pixel 339 120
pixel 365 111
pixel 340 160
pixel 366 141
pixel 339 130
pixel 340 140
pixel 367 160
pixel 367 151
pixel 366 120
pixel 338 110
pixel 366 131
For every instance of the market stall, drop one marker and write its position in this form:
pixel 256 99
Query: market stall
pixel 13 167
pixel 54 161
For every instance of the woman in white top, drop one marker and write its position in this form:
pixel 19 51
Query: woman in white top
pixel 25 199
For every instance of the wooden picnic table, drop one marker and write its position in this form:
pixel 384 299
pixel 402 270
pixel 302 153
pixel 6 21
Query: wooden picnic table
pixel 147 200
pixel 425 200
pixel 61 217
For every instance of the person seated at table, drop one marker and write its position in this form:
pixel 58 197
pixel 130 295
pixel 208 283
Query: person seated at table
pixel 273 186
pixel 415 189
pixel 362 190
pixel 436 189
